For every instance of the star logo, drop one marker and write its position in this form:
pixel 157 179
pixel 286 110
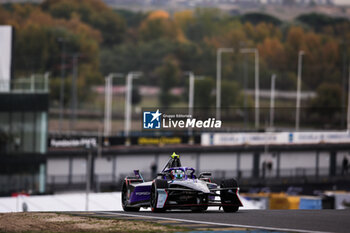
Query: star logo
pixel 156 115
pixel 152 120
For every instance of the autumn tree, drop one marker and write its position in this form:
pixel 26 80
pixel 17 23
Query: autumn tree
pixel 327 103
pixel 203 97
pixel 168 74
pixel 159 25
pixel 92 12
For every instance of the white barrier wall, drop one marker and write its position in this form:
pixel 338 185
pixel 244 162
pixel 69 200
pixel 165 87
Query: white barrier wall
pixel 291 160
pixel 77 202
pixel 125 164
pixel 229 163
pixel 104 166
pixel 79 166
pixel 246 161
pixel 340 157
pixel 187 159
pixel 63 202
pixel 57 166
pixel 323 163
pixel 211 161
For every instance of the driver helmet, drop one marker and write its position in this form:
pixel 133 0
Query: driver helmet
pixel 177 174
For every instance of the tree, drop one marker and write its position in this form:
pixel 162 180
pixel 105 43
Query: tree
pixel 327 103
pixel 256 18
pixel 168 75
pixel 132 19
pixel 203 93
pixel 207 23
pixel 144 56
pixel 136 97
pixel 159 25
pixel 319 21
pixel 230 92
pixel 183 18
pixel 273 53
pixel 92 12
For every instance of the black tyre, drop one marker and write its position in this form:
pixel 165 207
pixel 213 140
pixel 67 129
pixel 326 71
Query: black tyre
pixel 203 200
pixel 125 200
pixel 162 184
pixel 227 196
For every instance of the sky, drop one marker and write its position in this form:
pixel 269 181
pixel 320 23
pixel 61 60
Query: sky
pixel 339 2
pixel 347 2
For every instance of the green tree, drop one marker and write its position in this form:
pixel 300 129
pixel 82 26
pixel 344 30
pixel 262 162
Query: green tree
pixel 206 23
pixel 203 92
pixel 168 75
pixel 158 26
pixel 230 93
pixel 92 12
pixel 136 97
pixel 256 18
pixel 327 103
pixel 319 21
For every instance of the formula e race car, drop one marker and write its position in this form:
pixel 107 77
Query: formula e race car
pixel 178 187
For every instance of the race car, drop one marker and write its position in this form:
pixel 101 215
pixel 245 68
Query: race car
pixel 178 187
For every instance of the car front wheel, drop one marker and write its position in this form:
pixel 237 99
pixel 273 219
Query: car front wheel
pixel 154 194
pixel 125 200
pixel 228 196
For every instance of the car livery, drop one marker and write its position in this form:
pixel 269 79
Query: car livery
pixel 177 187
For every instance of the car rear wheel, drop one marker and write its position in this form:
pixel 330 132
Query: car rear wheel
pixel 125 200
pixel 227 196
pixel 157 184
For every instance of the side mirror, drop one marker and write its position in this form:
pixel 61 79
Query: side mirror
pixel 203 174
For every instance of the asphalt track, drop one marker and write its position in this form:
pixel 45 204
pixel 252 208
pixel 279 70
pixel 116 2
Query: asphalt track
pixel 250 220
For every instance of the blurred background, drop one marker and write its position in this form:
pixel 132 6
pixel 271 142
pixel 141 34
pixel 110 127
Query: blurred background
pixel 276 72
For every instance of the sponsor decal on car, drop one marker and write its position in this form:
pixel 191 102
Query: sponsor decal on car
pixel 143 193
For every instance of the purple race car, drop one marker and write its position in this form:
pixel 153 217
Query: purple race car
pixel 178 187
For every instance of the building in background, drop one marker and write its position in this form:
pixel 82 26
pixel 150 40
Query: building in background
pixel 23 136
pixel 24 106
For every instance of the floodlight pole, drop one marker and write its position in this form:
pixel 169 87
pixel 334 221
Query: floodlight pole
pixel 63 62
pixel 46 81
pixel 348 118
pixel 88 176
pixel 218 78
pixel 128 103
pixel 191 94
pixel 257 97
pixel 108 102
pixel 191 97
pixel 297 112
pixel 257 90
pixel 272 100
pixel 74 91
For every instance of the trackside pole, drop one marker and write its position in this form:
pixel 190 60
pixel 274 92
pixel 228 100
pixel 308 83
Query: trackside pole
pixel 88 177
pixel 348 118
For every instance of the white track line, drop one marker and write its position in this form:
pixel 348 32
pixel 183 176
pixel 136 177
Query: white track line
pixel 217 224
